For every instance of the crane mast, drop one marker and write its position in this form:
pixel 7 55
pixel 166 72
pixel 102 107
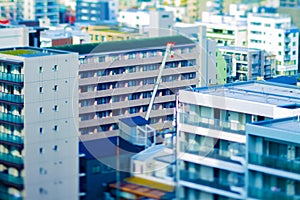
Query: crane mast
pixel 156 85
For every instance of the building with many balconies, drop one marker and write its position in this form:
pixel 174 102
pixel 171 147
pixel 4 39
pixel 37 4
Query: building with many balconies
pixel 211 133
pixel 116 80
pixel 38 124
pixel 273 157
pixel 275 34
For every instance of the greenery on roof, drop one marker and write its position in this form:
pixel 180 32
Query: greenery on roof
pixel 124 45
pixel 19 52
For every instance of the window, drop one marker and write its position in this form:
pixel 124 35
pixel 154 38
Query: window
pixel 41 109
pixel 267 25
pixel 41 150
pixel 55 88
pixel 97 37
pixel 101 59
pixel 55 148
pixel 294 43
pixel 41 130
pixel 54 68
pixel 294 52
pixel 41 89
pixel 55 128
pixel 40 69
pixel 279 52
pixel 279 35
pixel 55 108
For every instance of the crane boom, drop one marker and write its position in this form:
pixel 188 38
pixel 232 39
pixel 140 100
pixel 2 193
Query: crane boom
pixel 156 85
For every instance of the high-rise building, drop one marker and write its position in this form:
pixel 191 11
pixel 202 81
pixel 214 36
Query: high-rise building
pixel 39 9
pixel 225 30
pixel 273 157
pixel 38 124
pixel 211 161
pixel 275 34
pixel 14 36
pixel 116 80
pixel 96 11
pixel 8 10
pixel 244 64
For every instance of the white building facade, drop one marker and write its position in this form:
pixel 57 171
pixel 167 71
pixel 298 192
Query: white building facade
pixel 211 135
pixel 275 34
pixel 38 121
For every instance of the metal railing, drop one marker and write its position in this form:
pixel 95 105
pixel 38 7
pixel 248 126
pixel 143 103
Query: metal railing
pixel 216 124
pixel 12 97
pixel 17 78
pixel 223 184
pixel 275 162
pixel 264 193
pixel 17 119
pixel 11 138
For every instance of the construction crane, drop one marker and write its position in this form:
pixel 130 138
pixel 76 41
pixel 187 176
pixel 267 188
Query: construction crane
pixel 156 85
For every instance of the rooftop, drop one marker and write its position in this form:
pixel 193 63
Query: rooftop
pixel 236 48
pixel 125 45
pixel 257 91
pixel 30 52
pixel 291 124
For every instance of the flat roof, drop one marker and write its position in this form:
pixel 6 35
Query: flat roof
pixel 125 45
pixel 236 48
pixel 30 52
pixel 257 91
pixel 134 121
pixel 290 124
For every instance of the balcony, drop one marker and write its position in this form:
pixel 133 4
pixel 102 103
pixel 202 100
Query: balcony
pixel 217 183
pixel 11 119
pixel 11 160
pixel 17 99
pixel 210 123
pixel 12 78
pixel 287 58
pixel 218 154
pixel 11 139
pixel 10 180
pixel 275 162
pixel 287 48
pixel 260 193
pixel 287 40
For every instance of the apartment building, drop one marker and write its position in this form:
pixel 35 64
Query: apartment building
pixel 116 80
pixel 96 11
pixel 102 33
pixel 153 22
pixel 225 30
pixel 40 9
pixel 14 36
pixel 275 34
pixel 211 134
pixel 8 10
pixel 244 64
pixel 273 157
pixel 38 121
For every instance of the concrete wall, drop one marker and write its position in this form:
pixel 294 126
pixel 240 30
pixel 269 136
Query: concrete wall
pixel 51 160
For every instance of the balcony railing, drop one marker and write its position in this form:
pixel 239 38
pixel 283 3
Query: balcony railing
pixel 11 138
pixel 11 180
pixel 217 183
pixel 260 193
pixel 275 162
pixel 11 97
pixel 287 48
pixel 17 78
pixel 16 119
pixel 211 153
pixel 11 159
pixel 210 123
